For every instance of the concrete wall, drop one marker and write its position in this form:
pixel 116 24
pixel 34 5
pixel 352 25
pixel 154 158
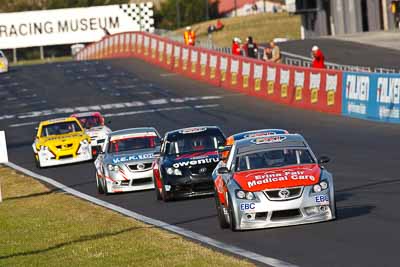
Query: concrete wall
pixel 342 17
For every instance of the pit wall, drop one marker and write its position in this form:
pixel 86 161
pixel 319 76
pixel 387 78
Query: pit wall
pixel 313 89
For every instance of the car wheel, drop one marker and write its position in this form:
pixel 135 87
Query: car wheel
pixel 231 212
pixel 158 193
pixel 105 187
pixel 166 196
pixel 100 189
pixel 37 162
pixel 223 223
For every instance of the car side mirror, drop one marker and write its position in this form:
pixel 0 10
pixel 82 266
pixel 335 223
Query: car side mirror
pixel 223 170
pixel 323 159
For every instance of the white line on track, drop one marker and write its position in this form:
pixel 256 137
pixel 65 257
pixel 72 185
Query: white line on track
pixel 128 113
pixel 181 231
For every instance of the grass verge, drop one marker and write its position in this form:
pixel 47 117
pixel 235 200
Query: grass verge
pixel 263 27
pixel 39 61
pixel 40 227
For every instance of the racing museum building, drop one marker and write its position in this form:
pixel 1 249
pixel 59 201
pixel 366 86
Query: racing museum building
pixel 333 17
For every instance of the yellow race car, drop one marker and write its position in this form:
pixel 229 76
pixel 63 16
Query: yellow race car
pixel 61 141
pixel 3 62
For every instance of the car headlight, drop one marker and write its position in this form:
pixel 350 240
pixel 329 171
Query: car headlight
pixel 240 194
pixel 113 167
pixel 323 185
pixel 173 171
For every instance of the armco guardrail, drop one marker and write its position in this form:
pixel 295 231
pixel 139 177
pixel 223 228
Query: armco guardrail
pixel 364 95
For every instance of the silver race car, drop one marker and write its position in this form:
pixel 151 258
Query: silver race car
pixel 272 181
pixel 125 164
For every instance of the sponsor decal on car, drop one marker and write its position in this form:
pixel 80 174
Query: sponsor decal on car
pixel 117 160
pixel 278 178
pixel 193 130
pixel 322 199
pixel 193 162
pixel 268 140
pixel 247 206
pixel 253 135
pixel 133 135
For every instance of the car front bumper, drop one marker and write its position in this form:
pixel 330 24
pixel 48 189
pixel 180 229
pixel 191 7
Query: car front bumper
pixel 266 213
pixel 130 181
pixel 189 186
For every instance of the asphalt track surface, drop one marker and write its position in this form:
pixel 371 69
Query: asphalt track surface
pixel 346 52
pixel 364 154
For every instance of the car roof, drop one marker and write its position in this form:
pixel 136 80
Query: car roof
pixel 256 133
pixel 268 142
pixel 195 129
pixel 58 120
pixel 86 114
pixel 133 131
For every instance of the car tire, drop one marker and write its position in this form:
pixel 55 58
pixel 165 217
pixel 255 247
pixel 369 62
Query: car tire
pixel 231 211
pixel 223 223
pixel 166 197
pixel 105 187
pixel 37 162
pixel 158 194
pixel 99 186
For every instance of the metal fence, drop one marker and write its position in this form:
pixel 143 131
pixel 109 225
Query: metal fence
pixel 287 58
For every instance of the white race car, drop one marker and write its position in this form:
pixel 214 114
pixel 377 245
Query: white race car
pixel 93 123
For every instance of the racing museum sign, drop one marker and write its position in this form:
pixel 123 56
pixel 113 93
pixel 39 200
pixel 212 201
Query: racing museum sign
pixel 71 25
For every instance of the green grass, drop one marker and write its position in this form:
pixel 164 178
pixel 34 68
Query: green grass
pixel 39 61
pixel 263 27
pixel 39 227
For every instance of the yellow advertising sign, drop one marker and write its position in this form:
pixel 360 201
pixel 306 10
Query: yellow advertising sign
pixel 271 86
pixel 299 93
pixel 223 75
pixel 330 97
pixel 284 90
pixel 314 95
pixel 203 70
pixel 245 81
pixel 234 78
pixel 257 84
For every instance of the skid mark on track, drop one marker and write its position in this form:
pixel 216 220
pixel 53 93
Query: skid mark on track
pixel 129 113
pixel 121 105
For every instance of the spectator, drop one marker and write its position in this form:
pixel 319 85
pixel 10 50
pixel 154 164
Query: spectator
pixel 189 36
pixel 219 25
pixel 267 54
pixel 236 50
pixel 318 58
pixel 276 52
pixel 250 48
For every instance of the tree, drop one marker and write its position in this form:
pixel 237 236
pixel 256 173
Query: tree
pixel 176 13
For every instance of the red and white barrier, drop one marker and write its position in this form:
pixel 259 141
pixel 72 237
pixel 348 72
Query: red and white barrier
pixel 300 87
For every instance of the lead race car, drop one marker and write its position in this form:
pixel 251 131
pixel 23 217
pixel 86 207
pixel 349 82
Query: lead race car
pixel 272 181
pixel 126 161
pixel 93 123
pixel 61 141
pixel 187 158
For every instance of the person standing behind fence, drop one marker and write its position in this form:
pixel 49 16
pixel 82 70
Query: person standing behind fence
pixel 250 47
pixel 189 36
pixel 236 50
pixel 318 58
pixel 267 54
pixel 276 52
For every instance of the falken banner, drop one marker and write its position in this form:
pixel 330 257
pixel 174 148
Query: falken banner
pixel 72 25
pixel 372 96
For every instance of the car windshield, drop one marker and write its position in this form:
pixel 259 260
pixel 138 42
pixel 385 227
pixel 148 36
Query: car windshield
pixel 60 128
pixel 133 143
pixel 89 121
pixel 189 143
pixel 273 159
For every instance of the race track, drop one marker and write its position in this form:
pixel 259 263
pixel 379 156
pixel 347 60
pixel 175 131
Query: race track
pixel 131 93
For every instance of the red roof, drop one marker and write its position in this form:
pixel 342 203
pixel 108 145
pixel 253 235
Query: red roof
pixel 229 5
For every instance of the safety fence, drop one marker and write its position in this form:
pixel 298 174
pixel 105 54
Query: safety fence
pixel 313 89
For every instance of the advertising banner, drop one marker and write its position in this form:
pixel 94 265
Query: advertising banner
pixel 372 96
pixel 70 25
